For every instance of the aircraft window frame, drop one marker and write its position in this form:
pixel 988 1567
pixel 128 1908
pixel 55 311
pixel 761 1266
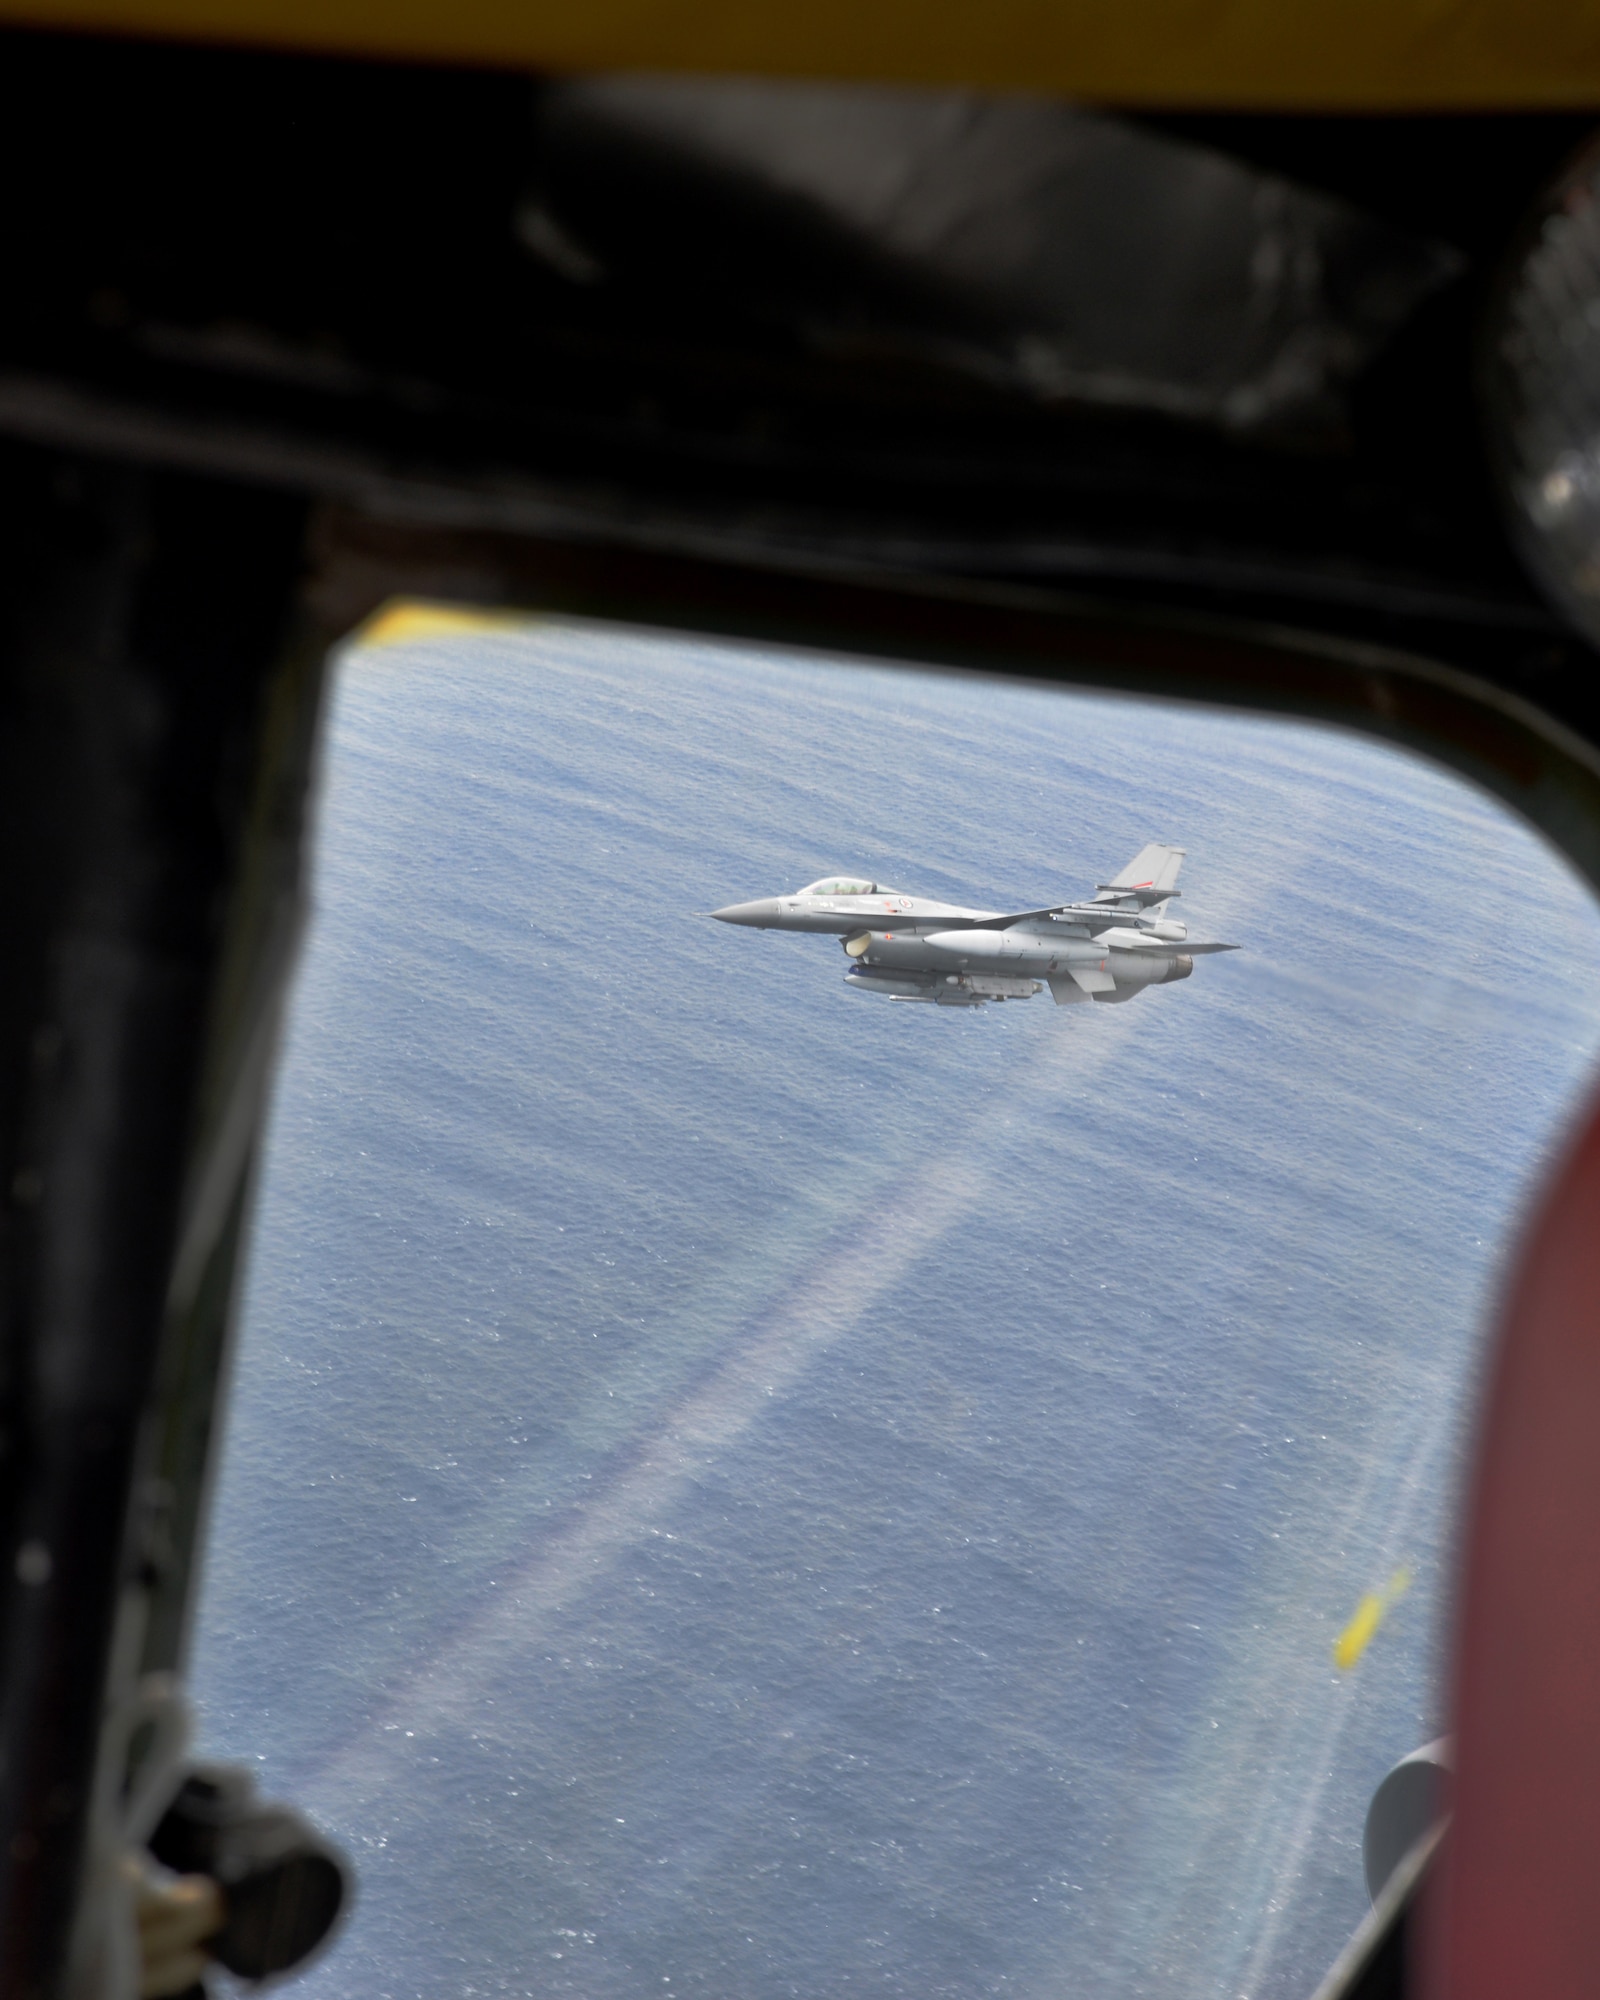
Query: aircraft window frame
pixel 1429 701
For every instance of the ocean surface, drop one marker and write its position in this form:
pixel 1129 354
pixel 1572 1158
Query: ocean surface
pixel 738 1489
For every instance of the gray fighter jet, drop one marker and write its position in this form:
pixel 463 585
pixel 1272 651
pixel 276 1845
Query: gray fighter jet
pixel 909 948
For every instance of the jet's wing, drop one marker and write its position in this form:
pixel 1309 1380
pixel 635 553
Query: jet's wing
pixel 1150 877
pixel 1142 941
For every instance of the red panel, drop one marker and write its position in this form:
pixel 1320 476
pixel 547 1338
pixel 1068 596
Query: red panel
pixel 1516 1907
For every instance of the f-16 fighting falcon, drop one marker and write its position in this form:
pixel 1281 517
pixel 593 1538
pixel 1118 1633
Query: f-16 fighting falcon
pixel 908 948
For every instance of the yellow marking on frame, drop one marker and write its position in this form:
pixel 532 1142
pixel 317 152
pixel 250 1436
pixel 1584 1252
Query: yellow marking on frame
pixel 406 622
pixel 1359 1634
pixel 1233 55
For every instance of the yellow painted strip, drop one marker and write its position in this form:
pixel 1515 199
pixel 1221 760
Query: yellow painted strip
pixel 1359 1634
pixel 406 622
pixel 1285 54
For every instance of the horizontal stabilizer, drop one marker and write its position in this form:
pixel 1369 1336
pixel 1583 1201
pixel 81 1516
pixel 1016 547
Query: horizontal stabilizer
pixel 1154 947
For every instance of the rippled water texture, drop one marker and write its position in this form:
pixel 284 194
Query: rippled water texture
pixel 739 1489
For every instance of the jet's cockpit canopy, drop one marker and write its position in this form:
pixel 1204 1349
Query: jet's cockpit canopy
pixel 840 885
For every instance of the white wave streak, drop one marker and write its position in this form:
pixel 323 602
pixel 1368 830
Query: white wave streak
pixel 451 1687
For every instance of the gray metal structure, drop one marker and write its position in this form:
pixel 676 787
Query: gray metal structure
pixel 912 948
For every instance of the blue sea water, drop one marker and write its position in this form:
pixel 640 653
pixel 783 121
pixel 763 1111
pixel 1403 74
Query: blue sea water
pixel 735 1488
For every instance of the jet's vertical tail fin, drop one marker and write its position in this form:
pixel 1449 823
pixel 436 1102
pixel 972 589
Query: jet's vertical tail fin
pixel 1149 877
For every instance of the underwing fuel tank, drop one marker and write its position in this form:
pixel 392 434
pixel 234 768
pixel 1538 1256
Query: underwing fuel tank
pixel 1018 952
pixel 1026 949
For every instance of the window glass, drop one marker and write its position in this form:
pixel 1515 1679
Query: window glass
pixel 698 1519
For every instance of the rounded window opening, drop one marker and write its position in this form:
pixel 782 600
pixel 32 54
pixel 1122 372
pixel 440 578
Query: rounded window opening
pixel 739 1485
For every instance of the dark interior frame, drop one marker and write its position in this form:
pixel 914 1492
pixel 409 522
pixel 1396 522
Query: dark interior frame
pixel 115 1484
pixel 178 555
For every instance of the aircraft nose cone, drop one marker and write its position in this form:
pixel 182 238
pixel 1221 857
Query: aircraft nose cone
pixel 758 913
